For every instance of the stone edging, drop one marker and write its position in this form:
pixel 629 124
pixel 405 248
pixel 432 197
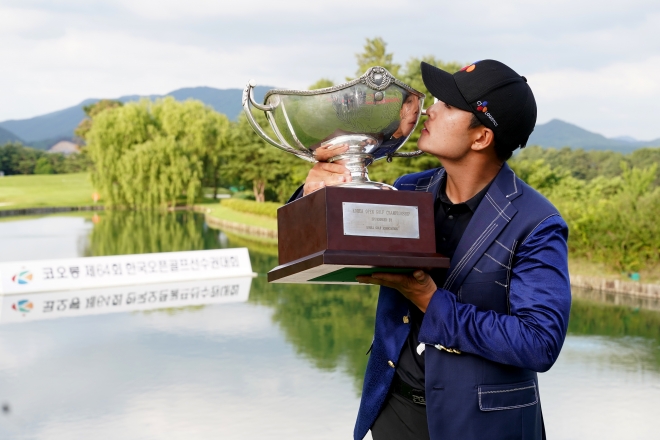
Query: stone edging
pixel 47 210
pixel 632 288
pixel 239 228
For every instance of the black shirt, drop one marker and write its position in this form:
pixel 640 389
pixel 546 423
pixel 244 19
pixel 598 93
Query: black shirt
pixel 451 220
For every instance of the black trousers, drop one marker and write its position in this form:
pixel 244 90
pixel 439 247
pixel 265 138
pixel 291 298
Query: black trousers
pixel 401 419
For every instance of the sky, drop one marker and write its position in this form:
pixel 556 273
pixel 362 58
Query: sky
pixel 592 63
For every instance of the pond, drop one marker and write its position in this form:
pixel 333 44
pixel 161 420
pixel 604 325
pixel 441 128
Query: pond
pixel 285 363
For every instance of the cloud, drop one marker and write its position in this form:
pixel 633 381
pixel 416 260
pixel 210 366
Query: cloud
pixel 211 9
pixel 605 100
pixel 55 54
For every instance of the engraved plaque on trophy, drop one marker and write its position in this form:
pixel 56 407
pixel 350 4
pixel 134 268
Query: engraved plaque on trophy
pixel 357 228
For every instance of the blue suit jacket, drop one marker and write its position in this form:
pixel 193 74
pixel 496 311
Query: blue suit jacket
pixel 504 308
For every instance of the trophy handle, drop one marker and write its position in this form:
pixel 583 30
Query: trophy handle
pixel 248 99
pixel 405 154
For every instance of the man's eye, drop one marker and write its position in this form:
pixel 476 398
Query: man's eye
pixel 447 105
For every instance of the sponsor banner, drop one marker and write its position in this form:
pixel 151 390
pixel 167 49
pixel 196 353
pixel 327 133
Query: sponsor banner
pixel 40 306
pixel 122 270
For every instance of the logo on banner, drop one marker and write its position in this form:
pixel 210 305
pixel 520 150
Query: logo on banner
pixel 23 277
pixel 23 306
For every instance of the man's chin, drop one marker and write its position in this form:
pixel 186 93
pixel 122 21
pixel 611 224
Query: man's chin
pixel 423 146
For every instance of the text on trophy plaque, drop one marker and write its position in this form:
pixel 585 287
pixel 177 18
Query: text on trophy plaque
pixel 376 220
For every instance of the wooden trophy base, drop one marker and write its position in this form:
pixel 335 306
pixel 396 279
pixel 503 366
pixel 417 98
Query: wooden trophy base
pixel 335 234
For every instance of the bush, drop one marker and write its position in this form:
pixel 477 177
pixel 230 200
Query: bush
pixel 611 220
pixel 16 158
pixel 267 209
pixel 43 166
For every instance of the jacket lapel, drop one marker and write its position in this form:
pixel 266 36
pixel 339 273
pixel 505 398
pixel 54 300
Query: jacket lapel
pixel 492 215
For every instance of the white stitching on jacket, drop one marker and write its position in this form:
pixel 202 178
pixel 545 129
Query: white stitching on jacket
pixel 461 263
pixel 508 277
pixel 498 242
pixel 514 186
pixel 505 391
pixel 536 399
pixel 497 207
pixel 534 229
pixel 489 256
pixel 482 238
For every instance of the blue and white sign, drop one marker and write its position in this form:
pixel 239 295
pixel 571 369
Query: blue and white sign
pixel 122 270
pixel 73 303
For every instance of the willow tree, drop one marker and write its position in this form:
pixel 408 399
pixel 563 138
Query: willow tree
pixel 154 154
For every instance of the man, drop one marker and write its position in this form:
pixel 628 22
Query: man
pixel 455 353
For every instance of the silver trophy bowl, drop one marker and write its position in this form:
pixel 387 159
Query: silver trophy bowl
pixel 373 115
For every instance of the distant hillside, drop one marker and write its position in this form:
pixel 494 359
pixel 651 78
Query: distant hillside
pixel 559 134
pixel 45 130
pixel 8 136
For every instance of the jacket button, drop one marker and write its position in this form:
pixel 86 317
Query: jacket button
pixel 390 363
pixel 406 320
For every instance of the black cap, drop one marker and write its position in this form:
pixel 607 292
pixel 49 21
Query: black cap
pixel 493 92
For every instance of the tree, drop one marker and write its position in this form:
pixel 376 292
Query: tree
pixel 151 154
pixel 375 54
pixel 43 166
pixel 250 161
pixel 15 158
pixel 321 84
pixel 91 111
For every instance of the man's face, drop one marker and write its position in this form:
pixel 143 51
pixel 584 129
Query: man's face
pixel 408 114
pixel 446 134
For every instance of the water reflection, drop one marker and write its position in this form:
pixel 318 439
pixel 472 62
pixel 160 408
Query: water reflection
pixel 139 232
pixel 293 357
pixel 22 308
pixel 56 236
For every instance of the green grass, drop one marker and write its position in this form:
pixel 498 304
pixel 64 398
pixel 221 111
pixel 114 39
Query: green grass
pixel 224 213
pixel 266 209
pixel 45 190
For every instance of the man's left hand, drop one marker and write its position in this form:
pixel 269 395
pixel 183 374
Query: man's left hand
pixel 418 287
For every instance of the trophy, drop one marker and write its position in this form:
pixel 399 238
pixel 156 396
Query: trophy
pixel 339 232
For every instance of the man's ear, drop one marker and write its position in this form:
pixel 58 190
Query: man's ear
pixel 483 138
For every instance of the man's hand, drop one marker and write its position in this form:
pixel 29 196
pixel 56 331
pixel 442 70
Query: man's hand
pixel 419 287
pixel 327 152
pixel 327 174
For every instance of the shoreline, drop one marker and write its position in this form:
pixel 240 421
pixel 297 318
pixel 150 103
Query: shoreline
pixel 592 283
pixel 631 288
pixel 48 210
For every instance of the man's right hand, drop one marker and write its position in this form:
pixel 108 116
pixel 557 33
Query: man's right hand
pixel 325 174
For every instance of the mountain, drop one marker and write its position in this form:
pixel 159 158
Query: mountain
pixel 557 133
pixel 8 136
pixel 45 130
pixel 625 138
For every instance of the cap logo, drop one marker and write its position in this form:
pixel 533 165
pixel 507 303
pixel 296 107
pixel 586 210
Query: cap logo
pixel 482 107
pixel 470 67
